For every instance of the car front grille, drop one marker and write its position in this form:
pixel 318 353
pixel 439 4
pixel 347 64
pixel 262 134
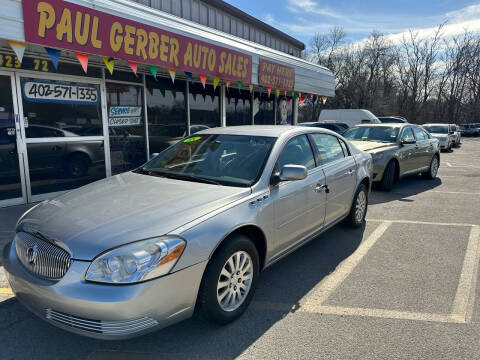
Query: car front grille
pixel 42 258
pixel 101 327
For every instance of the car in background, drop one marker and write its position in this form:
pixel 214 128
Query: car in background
pixel 444 133
pixel 339 128
pixel 351 117
pixel 457 134
pixel 392 120
pixel 397 150
pixel 468 130
pixel 190 229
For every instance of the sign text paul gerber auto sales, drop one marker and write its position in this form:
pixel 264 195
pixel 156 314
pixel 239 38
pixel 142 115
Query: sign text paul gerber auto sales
pixel 60 24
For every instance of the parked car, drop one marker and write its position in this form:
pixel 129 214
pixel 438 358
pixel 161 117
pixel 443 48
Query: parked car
pixel 457 134
pixel 339 128
pixel 392 119
pixel 351 117
pixel 192 227
pixel 467 131
pixel 444 133
pixel 397 150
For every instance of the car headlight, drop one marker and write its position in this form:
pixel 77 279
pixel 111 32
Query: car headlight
pixel 139 261
pixel 377 156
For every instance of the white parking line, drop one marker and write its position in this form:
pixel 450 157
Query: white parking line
pixel 324 289
pixel 468 277
pixel 448 164
pixel 420 222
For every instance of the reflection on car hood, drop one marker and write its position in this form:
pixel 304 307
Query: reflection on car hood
pixel 122 209
pixel 439 136
pixel 374 146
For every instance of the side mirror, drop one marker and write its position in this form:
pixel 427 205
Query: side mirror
pixel 290 172
pixel 408 141
pixel 153 155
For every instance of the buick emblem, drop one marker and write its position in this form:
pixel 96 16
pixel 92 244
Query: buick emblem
pixel 32 253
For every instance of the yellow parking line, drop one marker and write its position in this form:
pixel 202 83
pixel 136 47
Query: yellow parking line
pixel 6 291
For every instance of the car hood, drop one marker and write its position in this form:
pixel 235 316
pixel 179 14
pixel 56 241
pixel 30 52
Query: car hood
pixel 373 146
pixel 122 209
pixel 439 136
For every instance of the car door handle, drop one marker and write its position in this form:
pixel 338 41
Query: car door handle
pixel 322 187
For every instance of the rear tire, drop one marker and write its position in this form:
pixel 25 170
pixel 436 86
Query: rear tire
pixel 77 165
pixel 225 276
pixel 358 211
pixel 388 178
pixel 433 169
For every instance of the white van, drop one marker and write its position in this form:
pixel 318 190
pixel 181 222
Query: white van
pixel 350 117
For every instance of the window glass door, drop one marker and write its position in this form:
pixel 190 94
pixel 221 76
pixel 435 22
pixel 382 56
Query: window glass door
pixel 126 126
pixel 11 189
pixel 62 127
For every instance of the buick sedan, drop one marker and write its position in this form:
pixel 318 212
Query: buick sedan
pixel 189 230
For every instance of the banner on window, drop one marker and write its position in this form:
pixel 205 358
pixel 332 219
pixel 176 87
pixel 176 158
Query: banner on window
pixel 36 90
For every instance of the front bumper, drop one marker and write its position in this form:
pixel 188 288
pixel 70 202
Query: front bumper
pixel 109 312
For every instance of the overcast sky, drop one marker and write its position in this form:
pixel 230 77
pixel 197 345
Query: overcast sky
pixel 302 18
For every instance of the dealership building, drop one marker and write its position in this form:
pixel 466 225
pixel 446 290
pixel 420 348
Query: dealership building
pixel 93 88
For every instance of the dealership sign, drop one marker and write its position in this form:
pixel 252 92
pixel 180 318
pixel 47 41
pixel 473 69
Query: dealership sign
pixel 61 24
pixel 65 92
pixel 275 75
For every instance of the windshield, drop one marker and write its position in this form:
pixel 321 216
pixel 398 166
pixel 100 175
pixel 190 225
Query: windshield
pixel 231 160
pixel 437 129
pixel 385 134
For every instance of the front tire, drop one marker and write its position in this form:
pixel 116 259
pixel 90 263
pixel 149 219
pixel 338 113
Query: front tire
pixel 229 282
pixel 358 211
pixel 388 178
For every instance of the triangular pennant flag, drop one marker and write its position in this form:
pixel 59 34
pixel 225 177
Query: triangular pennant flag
pixel 311 96
pixel 18 47
pixel 302 100
pixel 212 96
pixel 190 76
pixel 153 70
pixel 250 86
pixel 260 90
pixel 240 84
pixel 109 63
pixel 172 74
pixel 288 101
pixel 150 90
pixel 243 102
pixel 162 91
pixel 54 55
pixel 194 96
pixel 313 100
pixel 285 93
pixel 324 99
pixel 269 91
pixel 299 94
pixel 216 80
pixel 134 66
pixel 174 93
pixel 228 82
pixel 83 60
pixel 203 80
pixel 277 92
pixel 293 93
pixel 204 97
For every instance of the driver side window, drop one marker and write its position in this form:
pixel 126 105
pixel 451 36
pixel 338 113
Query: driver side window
pixel 296 152
pixel 407 135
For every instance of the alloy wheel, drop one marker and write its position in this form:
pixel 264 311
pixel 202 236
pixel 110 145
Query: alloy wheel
pixel 235 281
pixel 434 167
pixel 360 206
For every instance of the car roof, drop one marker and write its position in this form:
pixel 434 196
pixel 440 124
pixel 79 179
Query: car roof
pixel 385 125
pixel 436 124
pixel 264 130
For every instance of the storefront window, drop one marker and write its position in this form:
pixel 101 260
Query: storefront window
pixel 167 113
pixel 239 111
pixel 204 107
pixel 263 109
pixel 126 126
pixel 61 166
pixel 10 183
pixel 54 108
pixel 284 113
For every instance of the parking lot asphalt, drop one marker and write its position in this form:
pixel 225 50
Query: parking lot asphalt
pixel 402 287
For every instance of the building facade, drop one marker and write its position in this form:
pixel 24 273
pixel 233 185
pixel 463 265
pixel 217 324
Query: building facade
pixel 132 79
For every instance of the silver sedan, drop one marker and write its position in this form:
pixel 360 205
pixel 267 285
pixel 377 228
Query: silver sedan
pixel 192 228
